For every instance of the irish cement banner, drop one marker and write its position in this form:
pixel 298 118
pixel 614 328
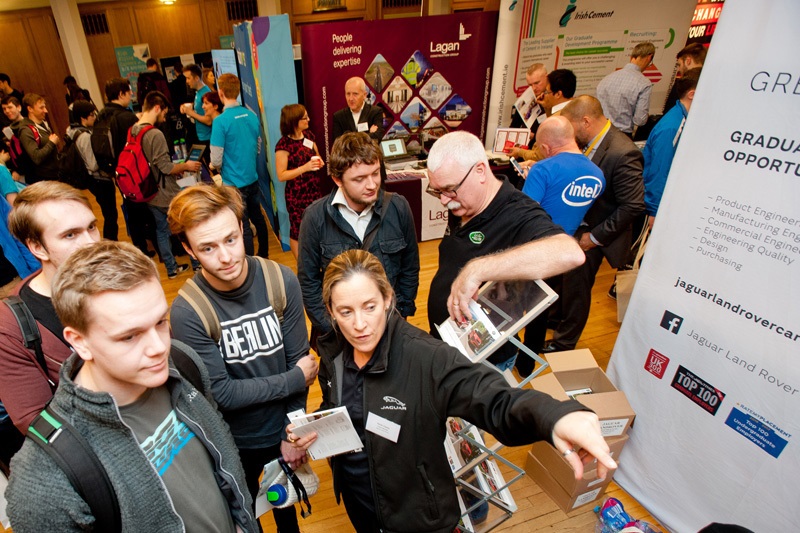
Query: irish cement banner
pixel 430 75
pixel 593 38
pixel 709 352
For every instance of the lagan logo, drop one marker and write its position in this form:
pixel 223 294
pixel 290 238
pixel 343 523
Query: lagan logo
pixel 449 48
pixel 397 404
pixel 444 48
pixel 582 191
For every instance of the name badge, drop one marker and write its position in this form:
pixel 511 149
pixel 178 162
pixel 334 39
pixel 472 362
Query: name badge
pixel 308 143
pixel 362 126
pixel 382 427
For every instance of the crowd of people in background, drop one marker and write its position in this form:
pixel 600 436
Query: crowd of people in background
pixel 102 361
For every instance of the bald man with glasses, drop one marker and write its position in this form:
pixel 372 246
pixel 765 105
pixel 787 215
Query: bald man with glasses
pixel 488 215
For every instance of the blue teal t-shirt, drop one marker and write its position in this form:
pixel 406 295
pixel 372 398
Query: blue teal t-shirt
pixel 566 185
pixel 659 153
pixel 237 132
pixel 7 183
pixel 203 131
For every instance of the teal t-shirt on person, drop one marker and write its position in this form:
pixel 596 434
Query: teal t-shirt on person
pixel 237 132
pixel 203 131
pixel 181 460
pixel 7 183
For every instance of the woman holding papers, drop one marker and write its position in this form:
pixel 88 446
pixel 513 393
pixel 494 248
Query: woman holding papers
pixel 399 386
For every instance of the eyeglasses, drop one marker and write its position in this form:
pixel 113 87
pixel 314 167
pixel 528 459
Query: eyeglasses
pixel 450 193
pixel 547 91
pixel 305 118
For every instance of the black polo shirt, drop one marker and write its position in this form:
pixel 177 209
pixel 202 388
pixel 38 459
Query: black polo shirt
pixel 355 466
pixel 512 218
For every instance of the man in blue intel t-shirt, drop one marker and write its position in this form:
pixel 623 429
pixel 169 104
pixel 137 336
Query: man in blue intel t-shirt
pixel 566 182
pixel 235 145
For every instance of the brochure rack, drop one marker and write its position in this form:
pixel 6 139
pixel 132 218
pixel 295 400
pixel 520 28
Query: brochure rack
pixel 501 310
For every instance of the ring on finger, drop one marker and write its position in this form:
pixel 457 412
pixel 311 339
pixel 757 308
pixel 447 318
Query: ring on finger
pixel 566 453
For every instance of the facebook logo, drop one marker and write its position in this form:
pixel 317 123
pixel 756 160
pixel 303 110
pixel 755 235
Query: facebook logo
pixel 671 322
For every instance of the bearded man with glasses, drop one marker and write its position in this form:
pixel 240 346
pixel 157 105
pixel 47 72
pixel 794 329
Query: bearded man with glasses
pixel 488 215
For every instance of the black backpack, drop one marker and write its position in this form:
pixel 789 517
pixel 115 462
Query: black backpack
pixel 71 166
pixel 73 454
pixel 62 442
pixel 102 141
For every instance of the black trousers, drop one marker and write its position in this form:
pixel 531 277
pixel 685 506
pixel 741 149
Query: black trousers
pixel 364 520
pixel 105 193
pixel 535 333
pixel 251 196
pixel 140 223
pixel 576 298
pixel 253 461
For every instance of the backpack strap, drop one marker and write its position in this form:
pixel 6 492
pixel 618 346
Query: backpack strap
pixel 72 453
pixel 276 291
pixel 198 300
pixel 31 336
pixel 188 363
pixel 35 131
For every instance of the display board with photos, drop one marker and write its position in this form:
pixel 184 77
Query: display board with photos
pixel 474 465
pixel 501 309
pixel 414 70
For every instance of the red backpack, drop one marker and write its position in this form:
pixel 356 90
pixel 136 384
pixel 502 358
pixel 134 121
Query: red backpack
pixel 19 159
pixel 135 179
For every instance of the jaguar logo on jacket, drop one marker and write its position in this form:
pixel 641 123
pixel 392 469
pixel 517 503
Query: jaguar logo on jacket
pixel 393 404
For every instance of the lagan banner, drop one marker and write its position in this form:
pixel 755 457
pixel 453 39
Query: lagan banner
pixel 429 75
pixel 709 352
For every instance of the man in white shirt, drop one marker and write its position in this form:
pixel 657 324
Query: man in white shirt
pixel 357 214
pixel 625 93
pixel 358 116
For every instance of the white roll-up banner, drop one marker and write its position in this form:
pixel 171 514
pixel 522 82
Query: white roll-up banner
pixel 709 352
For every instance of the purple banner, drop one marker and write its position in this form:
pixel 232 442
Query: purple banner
pixel 430 75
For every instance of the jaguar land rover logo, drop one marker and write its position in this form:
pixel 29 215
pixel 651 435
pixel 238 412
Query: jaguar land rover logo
pixel 393 404
pixel 582 191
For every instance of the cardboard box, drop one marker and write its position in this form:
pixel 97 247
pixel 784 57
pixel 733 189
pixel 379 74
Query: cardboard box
pixel 577 369
pixel 587 490
pixel 561 470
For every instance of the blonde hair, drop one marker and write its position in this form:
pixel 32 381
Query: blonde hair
pixel 22 221
pixel 346 265
pixel 195 205
pixel 99 267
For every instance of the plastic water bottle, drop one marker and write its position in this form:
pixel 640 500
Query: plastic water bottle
pixel 277 495
pixel 184 150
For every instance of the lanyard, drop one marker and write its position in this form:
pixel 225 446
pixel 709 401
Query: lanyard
pixel 605 129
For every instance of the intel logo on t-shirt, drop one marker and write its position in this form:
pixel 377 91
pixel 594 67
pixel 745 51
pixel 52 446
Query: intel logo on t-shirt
pixel 582 191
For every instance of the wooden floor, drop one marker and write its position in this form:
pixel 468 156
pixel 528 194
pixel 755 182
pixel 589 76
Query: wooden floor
pixel 537 512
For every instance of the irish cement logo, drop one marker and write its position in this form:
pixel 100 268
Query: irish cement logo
pixel 571 7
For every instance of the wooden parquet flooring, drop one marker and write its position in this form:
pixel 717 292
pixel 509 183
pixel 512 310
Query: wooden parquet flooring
pixel 537 512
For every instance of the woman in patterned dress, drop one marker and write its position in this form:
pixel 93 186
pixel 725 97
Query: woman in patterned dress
pixel 297 161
